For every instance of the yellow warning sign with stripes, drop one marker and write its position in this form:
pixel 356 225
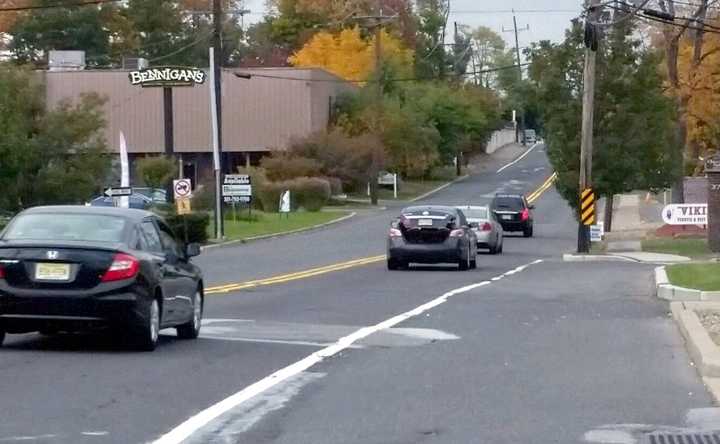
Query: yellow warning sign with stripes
pixel 587 206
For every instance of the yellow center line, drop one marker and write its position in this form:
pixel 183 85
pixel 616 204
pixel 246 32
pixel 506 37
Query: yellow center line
pixel 304 274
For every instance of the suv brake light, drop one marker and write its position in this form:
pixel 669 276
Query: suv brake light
pixel 2 272
pixel 487 227
pixel 123 266
pixel 457 233
pixel 525 215
pixel 394 232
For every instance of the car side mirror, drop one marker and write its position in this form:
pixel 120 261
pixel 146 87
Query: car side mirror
pixel 192 250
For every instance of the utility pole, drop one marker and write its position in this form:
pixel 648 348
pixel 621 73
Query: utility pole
pixel 376 22
pixel 520 136
pixel 217 79
pixel 586 142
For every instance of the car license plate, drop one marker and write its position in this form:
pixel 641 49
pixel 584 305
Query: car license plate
pixel 506 217
pixel 52 272
pixel 425 223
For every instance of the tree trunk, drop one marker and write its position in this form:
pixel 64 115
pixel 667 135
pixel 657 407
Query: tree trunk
pixel 608 212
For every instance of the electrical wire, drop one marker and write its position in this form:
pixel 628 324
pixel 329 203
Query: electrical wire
pixel 58 5
pixel 707 28
pixel 249 75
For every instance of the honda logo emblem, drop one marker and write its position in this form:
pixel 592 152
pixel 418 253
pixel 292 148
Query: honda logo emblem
pixel 52 254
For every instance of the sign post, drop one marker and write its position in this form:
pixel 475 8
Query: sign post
pixel 712 169
pixel 182 192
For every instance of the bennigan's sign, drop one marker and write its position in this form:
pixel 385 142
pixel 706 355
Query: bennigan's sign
pixel 167 76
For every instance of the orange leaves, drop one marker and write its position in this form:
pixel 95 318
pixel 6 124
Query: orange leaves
pixel 347 55
pixel 8 19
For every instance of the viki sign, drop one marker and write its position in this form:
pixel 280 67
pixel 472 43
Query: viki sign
pixel 167 76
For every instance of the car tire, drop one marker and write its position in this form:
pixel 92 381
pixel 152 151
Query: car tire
pixel 528 232
pixel 464 263
pixel 191 330
pixel 494 249
pixel 147 335
pixel 2 337
pixel 393 264
pixel 473 264
pixel 500 248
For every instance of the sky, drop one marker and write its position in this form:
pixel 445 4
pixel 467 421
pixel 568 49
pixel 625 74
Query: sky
pixel 547 19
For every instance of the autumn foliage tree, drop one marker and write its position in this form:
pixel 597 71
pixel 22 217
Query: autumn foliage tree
pixel 350 56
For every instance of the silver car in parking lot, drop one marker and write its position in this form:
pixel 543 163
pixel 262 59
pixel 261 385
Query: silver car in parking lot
pixel 488 230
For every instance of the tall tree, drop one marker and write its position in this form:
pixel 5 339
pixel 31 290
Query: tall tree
pixel 70 28
pixel 633 137
pixel 48 156
pixel 350 56
pixel 431 57
pixel 487 49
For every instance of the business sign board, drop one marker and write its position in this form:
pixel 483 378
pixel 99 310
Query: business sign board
pixel 237 188
pixel 685 214
pixel 167 76
pixel 597 232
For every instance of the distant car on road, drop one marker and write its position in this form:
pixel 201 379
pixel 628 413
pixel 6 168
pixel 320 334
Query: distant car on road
pixel 488 230
pixel 431 235
pixel 530 137
pixel 514 213
pixel 77 268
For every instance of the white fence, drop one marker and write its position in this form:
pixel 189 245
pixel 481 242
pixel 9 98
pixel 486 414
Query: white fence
pixel 499 139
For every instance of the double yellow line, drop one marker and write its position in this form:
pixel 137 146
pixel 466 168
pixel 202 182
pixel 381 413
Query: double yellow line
pixel 224 289
pixel 294 276
pixel 535 195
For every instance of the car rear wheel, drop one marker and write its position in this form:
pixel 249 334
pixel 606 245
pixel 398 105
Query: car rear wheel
pixel 494 249
pixel 191 330
pixel 393 264
pixel 147 335
pixel 464 263
pixel 528 232
pixel 473 264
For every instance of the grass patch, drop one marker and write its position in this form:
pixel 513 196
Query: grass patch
pixel 693 248
pixel 270 223
pixel 705 277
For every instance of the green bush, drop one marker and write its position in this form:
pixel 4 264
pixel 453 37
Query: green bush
pixel 196 223
pixel 259 180
pixel 310 193
pixel 281 166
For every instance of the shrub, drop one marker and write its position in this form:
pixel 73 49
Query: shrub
pixel 197 226
pixel 156 172
pixel 282 166
pixel 311 193
pixel 259 180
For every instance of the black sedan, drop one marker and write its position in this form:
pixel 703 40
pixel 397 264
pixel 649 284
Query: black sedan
pixel 72 268
pixel 431 235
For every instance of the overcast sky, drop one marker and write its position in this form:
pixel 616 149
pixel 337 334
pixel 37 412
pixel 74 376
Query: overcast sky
pixel 547 19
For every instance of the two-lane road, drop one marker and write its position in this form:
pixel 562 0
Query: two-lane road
pixel 524 349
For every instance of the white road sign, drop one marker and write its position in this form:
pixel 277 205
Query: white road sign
pixel 182 188
pixel 119 191
pixel 685 214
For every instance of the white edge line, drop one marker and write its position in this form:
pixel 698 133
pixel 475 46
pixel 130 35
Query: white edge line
pixel 190 426
pixel 518 159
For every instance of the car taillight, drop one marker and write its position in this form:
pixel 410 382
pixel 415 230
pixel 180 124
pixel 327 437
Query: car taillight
pixel 2 272
pixel 394 232
pixel 525 215
pixel 487 227
pixel 457 233
pixel 123 266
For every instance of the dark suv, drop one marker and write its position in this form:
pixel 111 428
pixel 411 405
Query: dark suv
pixel 514 213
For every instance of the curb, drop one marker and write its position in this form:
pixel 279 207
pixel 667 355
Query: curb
pixel 440 188
pixel 595 258
pixel 703 351
pixel 281 234
pixel 665 290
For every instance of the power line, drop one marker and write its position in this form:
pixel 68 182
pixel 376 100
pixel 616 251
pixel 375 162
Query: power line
pixel 183 48
pixel 58 5
pixel 645 17
pixel 249 75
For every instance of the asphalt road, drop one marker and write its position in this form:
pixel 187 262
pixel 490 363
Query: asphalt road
pixel 528 349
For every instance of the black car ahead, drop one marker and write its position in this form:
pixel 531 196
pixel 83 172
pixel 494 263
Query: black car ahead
pixel 71 268
pixel 430 235
pixel 514 213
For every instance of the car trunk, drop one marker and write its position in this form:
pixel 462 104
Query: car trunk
pixel 425 229
pixel 58 266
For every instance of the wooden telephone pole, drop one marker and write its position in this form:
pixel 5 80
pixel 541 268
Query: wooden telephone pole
pixel 586 144
pixel 521 133
pixel 376 22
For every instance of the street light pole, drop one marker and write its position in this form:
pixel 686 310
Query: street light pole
pixel 216 86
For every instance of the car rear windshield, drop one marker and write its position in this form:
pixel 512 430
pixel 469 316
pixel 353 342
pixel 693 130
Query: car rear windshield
pixel 512 203
pixel 67 227
pixel 475 213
